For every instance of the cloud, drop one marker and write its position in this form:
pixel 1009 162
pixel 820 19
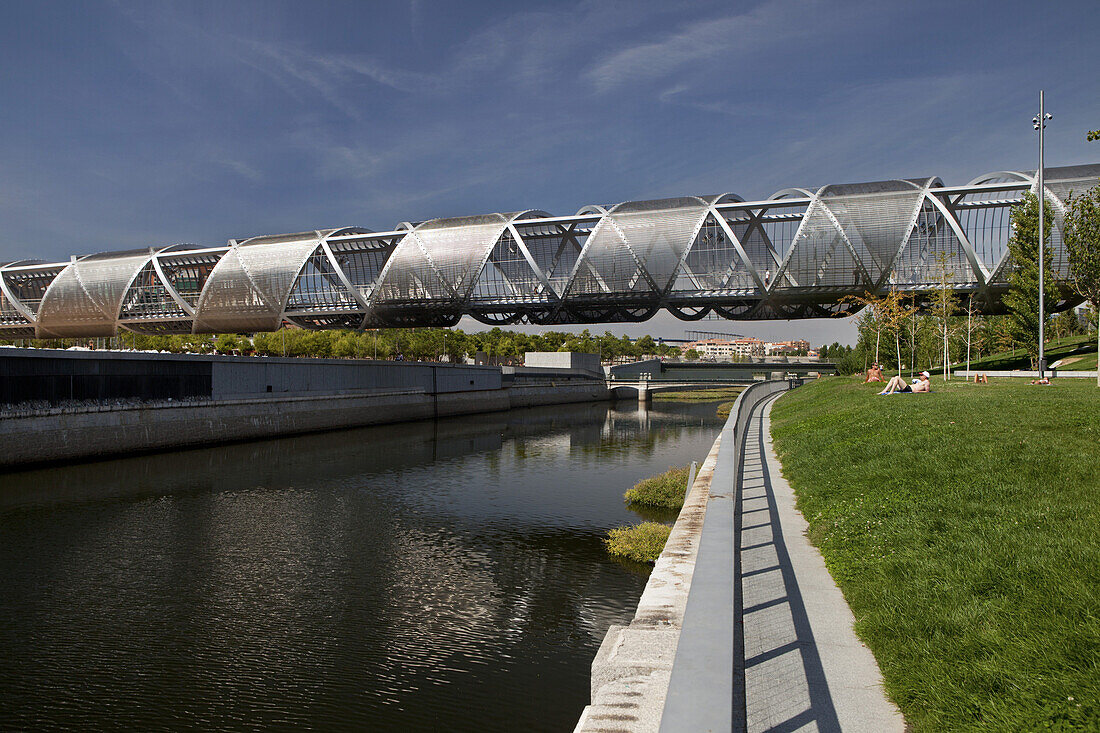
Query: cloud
pixel 699 46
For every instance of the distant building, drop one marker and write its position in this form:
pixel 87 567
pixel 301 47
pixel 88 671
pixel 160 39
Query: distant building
pixel 798 346
pixel 726 349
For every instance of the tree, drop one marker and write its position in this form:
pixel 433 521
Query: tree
pixel 1022 298
pixel 1082 237
pixel 944 305
pixel 691 355
pixel 1093 135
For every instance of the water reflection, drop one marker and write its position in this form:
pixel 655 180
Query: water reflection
pixel 445 574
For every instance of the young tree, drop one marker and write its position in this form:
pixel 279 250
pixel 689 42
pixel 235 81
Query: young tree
pixel 1082 237
pixel 1022 298
pixel 944 306
pixel 871 321
pixel 691 355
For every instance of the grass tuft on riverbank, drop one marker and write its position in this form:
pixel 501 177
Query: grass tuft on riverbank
pixel 964 528
pixel 640 542
pixel 665 490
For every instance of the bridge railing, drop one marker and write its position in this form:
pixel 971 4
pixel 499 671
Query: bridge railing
pixel 702 686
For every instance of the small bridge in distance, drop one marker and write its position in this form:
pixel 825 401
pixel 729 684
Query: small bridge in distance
pixel 644 378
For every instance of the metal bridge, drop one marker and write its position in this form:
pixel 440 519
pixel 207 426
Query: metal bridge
pixel 796 254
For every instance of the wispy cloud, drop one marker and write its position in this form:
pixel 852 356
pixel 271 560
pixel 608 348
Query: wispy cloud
pixel 695 48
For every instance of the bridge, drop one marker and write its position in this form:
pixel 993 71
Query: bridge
pixel 643 379
pixel 797 254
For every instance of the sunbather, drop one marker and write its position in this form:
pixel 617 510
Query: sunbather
pixel 898 384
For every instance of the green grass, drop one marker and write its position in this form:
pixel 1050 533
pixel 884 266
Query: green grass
pixel 964 528
pixel 1084 363
pixel 699 395
pixel 1018 359
pixel 640 543
pixel 665 490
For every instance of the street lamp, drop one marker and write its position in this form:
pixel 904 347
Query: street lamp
pixel 1039 122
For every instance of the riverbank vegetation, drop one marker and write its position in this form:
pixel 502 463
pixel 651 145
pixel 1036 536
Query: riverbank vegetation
pixel 665 490
pixel 656 495
pixel 699 395
pixel 963 528
pixel 640 542
pixel 728 394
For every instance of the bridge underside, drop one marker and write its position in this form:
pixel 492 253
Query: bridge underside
pixel 799 254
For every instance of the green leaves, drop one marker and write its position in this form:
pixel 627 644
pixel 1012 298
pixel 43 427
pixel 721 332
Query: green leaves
pixel 1022 299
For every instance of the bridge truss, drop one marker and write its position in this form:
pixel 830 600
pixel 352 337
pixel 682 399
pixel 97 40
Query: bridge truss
pixel 797 254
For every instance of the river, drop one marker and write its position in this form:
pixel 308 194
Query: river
pixel 444 575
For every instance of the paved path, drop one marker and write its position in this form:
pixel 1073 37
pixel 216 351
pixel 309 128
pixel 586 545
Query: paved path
pixel 802 667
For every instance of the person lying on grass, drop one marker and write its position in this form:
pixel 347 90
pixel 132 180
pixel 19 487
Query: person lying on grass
pixel 897 384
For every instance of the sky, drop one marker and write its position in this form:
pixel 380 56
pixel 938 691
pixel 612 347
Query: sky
pixel 138 124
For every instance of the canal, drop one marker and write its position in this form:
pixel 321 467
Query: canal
pixel 444 575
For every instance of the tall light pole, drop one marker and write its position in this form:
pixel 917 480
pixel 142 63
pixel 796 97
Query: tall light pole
pixel 1039 122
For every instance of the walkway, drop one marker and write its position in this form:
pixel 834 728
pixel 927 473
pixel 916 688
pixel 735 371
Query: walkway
pixel 797 661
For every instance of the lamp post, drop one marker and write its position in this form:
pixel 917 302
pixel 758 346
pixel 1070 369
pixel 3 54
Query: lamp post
pixel 1039 122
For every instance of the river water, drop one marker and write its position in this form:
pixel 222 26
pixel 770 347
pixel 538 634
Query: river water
pixel 444 575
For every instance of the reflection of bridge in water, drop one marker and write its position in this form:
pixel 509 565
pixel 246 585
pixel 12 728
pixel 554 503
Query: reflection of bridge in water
pixel 797 254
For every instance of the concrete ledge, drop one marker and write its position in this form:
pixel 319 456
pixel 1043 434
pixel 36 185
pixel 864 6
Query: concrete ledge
pixel 631 670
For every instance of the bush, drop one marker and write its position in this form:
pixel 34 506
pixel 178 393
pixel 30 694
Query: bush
pixel 640 543
pixel 665 490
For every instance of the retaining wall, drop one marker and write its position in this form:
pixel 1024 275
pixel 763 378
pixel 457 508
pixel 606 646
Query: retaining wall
pixel 672 667
pixel 59 434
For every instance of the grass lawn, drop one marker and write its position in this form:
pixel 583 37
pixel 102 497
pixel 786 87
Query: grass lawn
pixel 699 395
pixel 1083 363
pixel 1017 359
pixel 964 528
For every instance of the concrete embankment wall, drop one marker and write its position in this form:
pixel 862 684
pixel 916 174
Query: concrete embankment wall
pixel 641 671
pixel 70 434
pixel 205 400
pixel 631 670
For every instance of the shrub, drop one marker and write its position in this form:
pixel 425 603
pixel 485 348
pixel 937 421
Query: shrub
pixel 640 542
pixel 663 490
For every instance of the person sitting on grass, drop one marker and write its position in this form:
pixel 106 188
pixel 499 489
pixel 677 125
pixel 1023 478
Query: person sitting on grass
pixel 897 384
pixel 874 374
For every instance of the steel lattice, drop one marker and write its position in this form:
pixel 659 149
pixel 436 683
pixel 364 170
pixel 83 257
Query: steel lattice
pixel 798 254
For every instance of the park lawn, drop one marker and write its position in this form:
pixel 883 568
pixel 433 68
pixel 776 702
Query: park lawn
pixel 1018 359
pixel 699 395
pixel 963 527
pixel 1083 363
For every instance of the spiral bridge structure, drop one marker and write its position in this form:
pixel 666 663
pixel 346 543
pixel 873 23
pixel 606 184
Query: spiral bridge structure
pixel 798 254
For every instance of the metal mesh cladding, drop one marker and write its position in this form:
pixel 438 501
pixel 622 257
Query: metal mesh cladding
pixel 248 288
pixel 794 255
pixel 84 299
pixel 638 247
pixel 439 260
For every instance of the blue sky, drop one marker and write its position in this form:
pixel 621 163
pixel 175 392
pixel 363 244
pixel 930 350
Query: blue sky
pixel 137 124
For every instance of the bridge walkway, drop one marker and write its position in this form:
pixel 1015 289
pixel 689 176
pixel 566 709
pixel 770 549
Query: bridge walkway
pixel 798 665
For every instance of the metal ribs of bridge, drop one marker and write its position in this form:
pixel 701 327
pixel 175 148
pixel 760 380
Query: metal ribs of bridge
pixel 797 254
